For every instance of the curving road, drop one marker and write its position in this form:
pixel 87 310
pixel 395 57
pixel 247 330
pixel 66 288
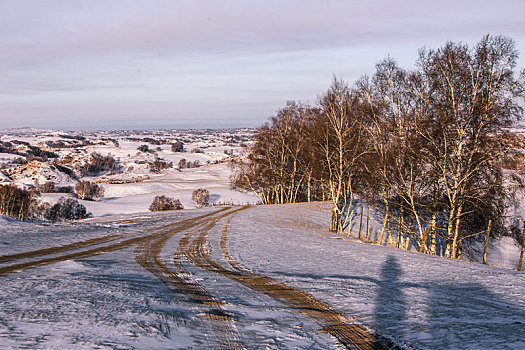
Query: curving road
pixel 174 253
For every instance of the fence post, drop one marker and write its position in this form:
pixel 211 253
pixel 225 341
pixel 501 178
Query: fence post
pixel 368 224
pixel 361 223
pixel 486 243
pixel 522 247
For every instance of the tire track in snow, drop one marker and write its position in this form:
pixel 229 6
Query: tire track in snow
pixel 178 226
pixel 349 334
pixel 59 249
pixel 147 255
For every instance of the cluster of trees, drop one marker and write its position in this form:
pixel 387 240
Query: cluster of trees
pixel 201 197
pixel 183 163
pixel 68 144
pixel 16 202
pixel 24 204
pixel 424 146
pixel 99 164
pixel 51 187
pixel 85 190
pixel 88 190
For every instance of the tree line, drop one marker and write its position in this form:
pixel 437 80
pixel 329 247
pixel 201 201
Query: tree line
pixel 423 146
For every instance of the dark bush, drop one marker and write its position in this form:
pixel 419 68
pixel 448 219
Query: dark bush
pixel 159 165
pixel 194 164
pixel 51 187
pixel 64 189
pixel 163 203
pixel 20 161
pixel 32 152
pixel 73 137
pixel 143 148
pixel 177 146
pixel 67 209
pixel 64 169
pixel 39 153
pixel 151 141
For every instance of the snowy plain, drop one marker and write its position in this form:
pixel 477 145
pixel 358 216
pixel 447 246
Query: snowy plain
pixel 109 301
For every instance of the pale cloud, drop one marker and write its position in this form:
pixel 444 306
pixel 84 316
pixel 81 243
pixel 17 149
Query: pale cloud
pixel 225 63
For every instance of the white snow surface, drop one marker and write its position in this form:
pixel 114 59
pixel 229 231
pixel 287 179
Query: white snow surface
pixel 38 173
pixel 135 197
pixel 109 301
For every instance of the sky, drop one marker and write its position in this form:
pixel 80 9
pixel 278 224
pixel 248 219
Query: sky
pixel 90 64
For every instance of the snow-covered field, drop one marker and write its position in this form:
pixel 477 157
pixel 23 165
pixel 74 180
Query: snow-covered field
pixel 216 149
pixel 121 299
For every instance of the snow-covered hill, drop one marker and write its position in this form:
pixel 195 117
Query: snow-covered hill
pixel 38 173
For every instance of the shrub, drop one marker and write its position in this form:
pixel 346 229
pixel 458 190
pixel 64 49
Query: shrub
pixel 143 148
pixel 64 169
pixel 64 189
pixel 177 146
pixel 67 209
pixel 201 197
pixel 159 165
pixel 163 203
pixel 197 150
pixel 195 164
pixel 51 187
pixel 89 190
pixel 182 163
pixel 151 140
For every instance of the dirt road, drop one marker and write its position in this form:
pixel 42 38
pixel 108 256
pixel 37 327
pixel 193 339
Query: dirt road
pixel 172 268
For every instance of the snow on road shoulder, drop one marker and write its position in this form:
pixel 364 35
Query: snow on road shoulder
pixel 426 301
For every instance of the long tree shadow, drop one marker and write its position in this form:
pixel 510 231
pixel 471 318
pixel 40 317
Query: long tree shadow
pixel 471 316
pixel 443 315
pixel 437 313
pixel 389 313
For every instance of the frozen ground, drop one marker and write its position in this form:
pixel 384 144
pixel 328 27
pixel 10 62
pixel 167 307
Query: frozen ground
pixel 213 149
pixel 426 301
pixel 165 291
pixel 136 197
